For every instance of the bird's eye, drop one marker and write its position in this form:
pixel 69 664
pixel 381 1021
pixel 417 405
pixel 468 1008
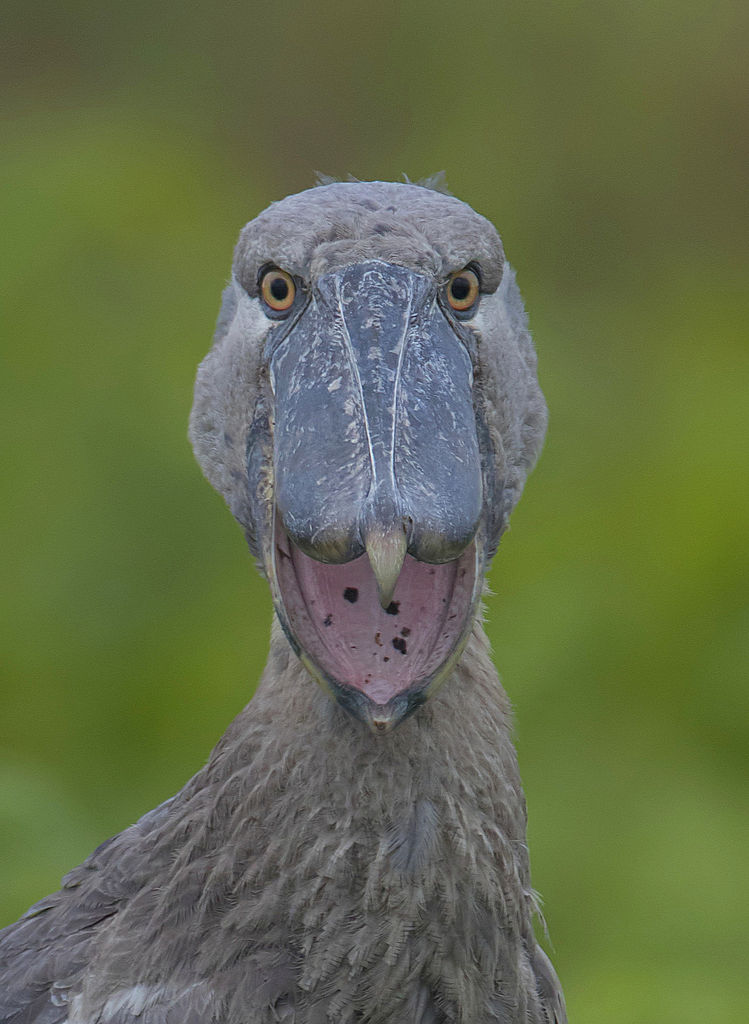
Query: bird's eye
pixel 278 290
pixel 463 289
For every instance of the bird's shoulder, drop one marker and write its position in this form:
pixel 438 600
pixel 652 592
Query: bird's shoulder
pixel 44 952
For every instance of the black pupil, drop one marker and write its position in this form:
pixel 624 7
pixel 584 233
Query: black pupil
pixel 461 288
pixel 279 288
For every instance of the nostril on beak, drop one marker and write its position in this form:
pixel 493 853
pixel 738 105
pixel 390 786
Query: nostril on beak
pixel 408 526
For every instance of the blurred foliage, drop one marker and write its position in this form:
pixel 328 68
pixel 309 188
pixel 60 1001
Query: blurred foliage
pixel 608 142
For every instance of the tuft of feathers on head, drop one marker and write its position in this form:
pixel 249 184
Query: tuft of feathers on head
pixel 436 182
pixel 331 179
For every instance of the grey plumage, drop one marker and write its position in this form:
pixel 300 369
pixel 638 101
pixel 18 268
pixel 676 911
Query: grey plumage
pixel 316 870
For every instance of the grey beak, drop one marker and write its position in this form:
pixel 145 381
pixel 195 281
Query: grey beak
pixel 375 442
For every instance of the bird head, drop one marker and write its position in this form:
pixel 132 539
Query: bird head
pixel 370 410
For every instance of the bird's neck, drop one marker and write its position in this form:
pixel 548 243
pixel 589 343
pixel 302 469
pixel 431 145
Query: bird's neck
pixel 462 732
pixel 420 832
pixel 294 749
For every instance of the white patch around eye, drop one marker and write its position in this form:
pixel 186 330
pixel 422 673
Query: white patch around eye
pixel 491 313
pixel 250 318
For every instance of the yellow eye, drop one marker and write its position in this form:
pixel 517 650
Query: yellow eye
pixel 462 289
pixel 278 289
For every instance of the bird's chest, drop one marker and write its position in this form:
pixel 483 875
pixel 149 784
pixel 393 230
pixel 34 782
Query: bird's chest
pixel 389 923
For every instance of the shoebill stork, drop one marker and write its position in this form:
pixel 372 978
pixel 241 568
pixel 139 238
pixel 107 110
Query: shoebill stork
pixel 355 848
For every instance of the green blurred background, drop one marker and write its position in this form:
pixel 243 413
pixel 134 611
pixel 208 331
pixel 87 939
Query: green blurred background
pixel 608 141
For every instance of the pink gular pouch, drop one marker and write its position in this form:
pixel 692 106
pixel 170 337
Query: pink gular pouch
pixel 335 613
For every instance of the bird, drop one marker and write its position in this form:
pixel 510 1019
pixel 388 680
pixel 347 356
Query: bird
pixel 354 850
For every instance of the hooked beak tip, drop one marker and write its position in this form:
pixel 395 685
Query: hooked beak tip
pixel 382 725
pixel 386 551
